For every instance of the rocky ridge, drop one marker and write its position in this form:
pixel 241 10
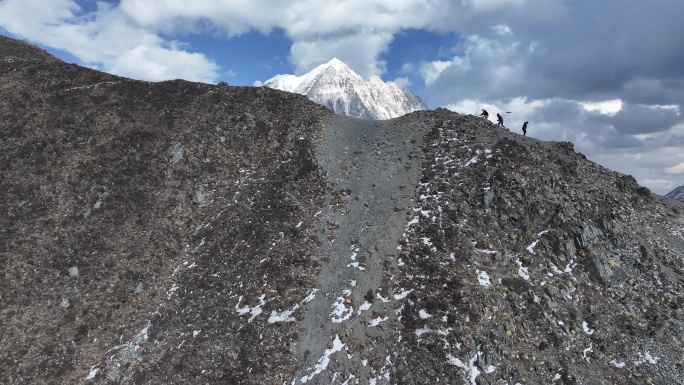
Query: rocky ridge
pixel 536 265
pixel 180 232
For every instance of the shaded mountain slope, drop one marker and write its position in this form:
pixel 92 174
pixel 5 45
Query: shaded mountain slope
pixel 179 232
pixel 677 194
pixel 135 212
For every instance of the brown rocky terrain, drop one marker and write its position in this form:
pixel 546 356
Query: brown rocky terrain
pixel 178 232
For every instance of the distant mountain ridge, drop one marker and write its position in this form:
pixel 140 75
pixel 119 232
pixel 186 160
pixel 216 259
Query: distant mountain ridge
pixel 337 87
pixel 676 194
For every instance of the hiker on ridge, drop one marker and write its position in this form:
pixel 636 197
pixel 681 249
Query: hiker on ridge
pixel 484 114
pixel 524 128
pixel 499 120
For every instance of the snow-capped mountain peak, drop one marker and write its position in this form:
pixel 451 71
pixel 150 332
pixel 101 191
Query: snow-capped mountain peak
pixel 337 64
pixel 337 87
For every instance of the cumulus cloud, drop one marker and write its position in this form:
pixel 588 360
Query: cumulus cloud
pixel 490 5
pixel 677 169
pixel 105 39
pixel 161 64
pixel 359 51
pixel 355 31
pixel 402 82
pixel 605 107
pixel 502 30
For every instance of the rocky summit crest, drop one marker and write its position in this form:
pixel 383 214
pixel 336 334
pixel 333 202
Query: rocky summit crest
pixel 180 232
pixel 337 87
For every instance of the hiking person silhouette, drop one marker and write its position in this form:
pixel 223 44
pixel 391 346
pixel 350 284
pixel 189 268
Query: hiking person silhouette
pixel 499 120
pixel 525 128
pixel 484 114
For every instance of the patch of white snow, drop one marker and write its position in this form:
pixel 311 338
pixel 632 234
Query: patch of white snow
pixel 483 278
pixel 340 311
pixel 403 294
pixel 366 305
pixel 92 373
pixel 323 362
pixel 377 321
pixel 254 311
pixel 617 364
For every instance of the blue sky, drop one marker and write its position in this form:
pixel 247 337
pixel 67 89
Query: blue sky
pixel 246 58
pixel 606 75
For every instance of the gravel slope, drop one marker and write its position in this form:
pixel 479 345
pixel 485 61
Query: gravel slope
pixel 374 170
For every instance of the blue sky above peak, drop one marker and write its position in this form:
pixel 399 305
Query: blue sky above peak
pixel 606 75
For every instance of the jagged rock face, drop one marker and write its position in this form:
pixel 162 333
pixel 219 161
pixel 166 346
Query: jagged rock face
pixel 537 265
pixel 180 232
pixel 676 194
pixel 342 90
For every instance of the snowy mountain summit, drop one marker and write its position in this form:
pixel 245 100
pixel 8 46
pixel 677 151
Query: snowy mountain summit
pixel 337 87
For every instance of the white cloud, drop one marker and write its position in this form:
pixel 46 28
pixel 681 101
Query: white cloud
pixel 677 170
pixel 502 29
pixel 310 17
pixel 659 185
pixel 402 82
pixel 359 51
pixel 356 31
pixel 490 5
pixel 673 107
pixel 605 107
pixel 27 14
pixel 105 39
pixel 484 64
pixel 432 70
pixel 407 68
pixel 158 63
pixel 520 110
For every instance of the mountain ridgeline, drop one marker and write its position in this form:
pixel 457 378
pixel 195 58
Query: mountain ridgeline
pixel 337 87
pixel 677 194
pixel 180 232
